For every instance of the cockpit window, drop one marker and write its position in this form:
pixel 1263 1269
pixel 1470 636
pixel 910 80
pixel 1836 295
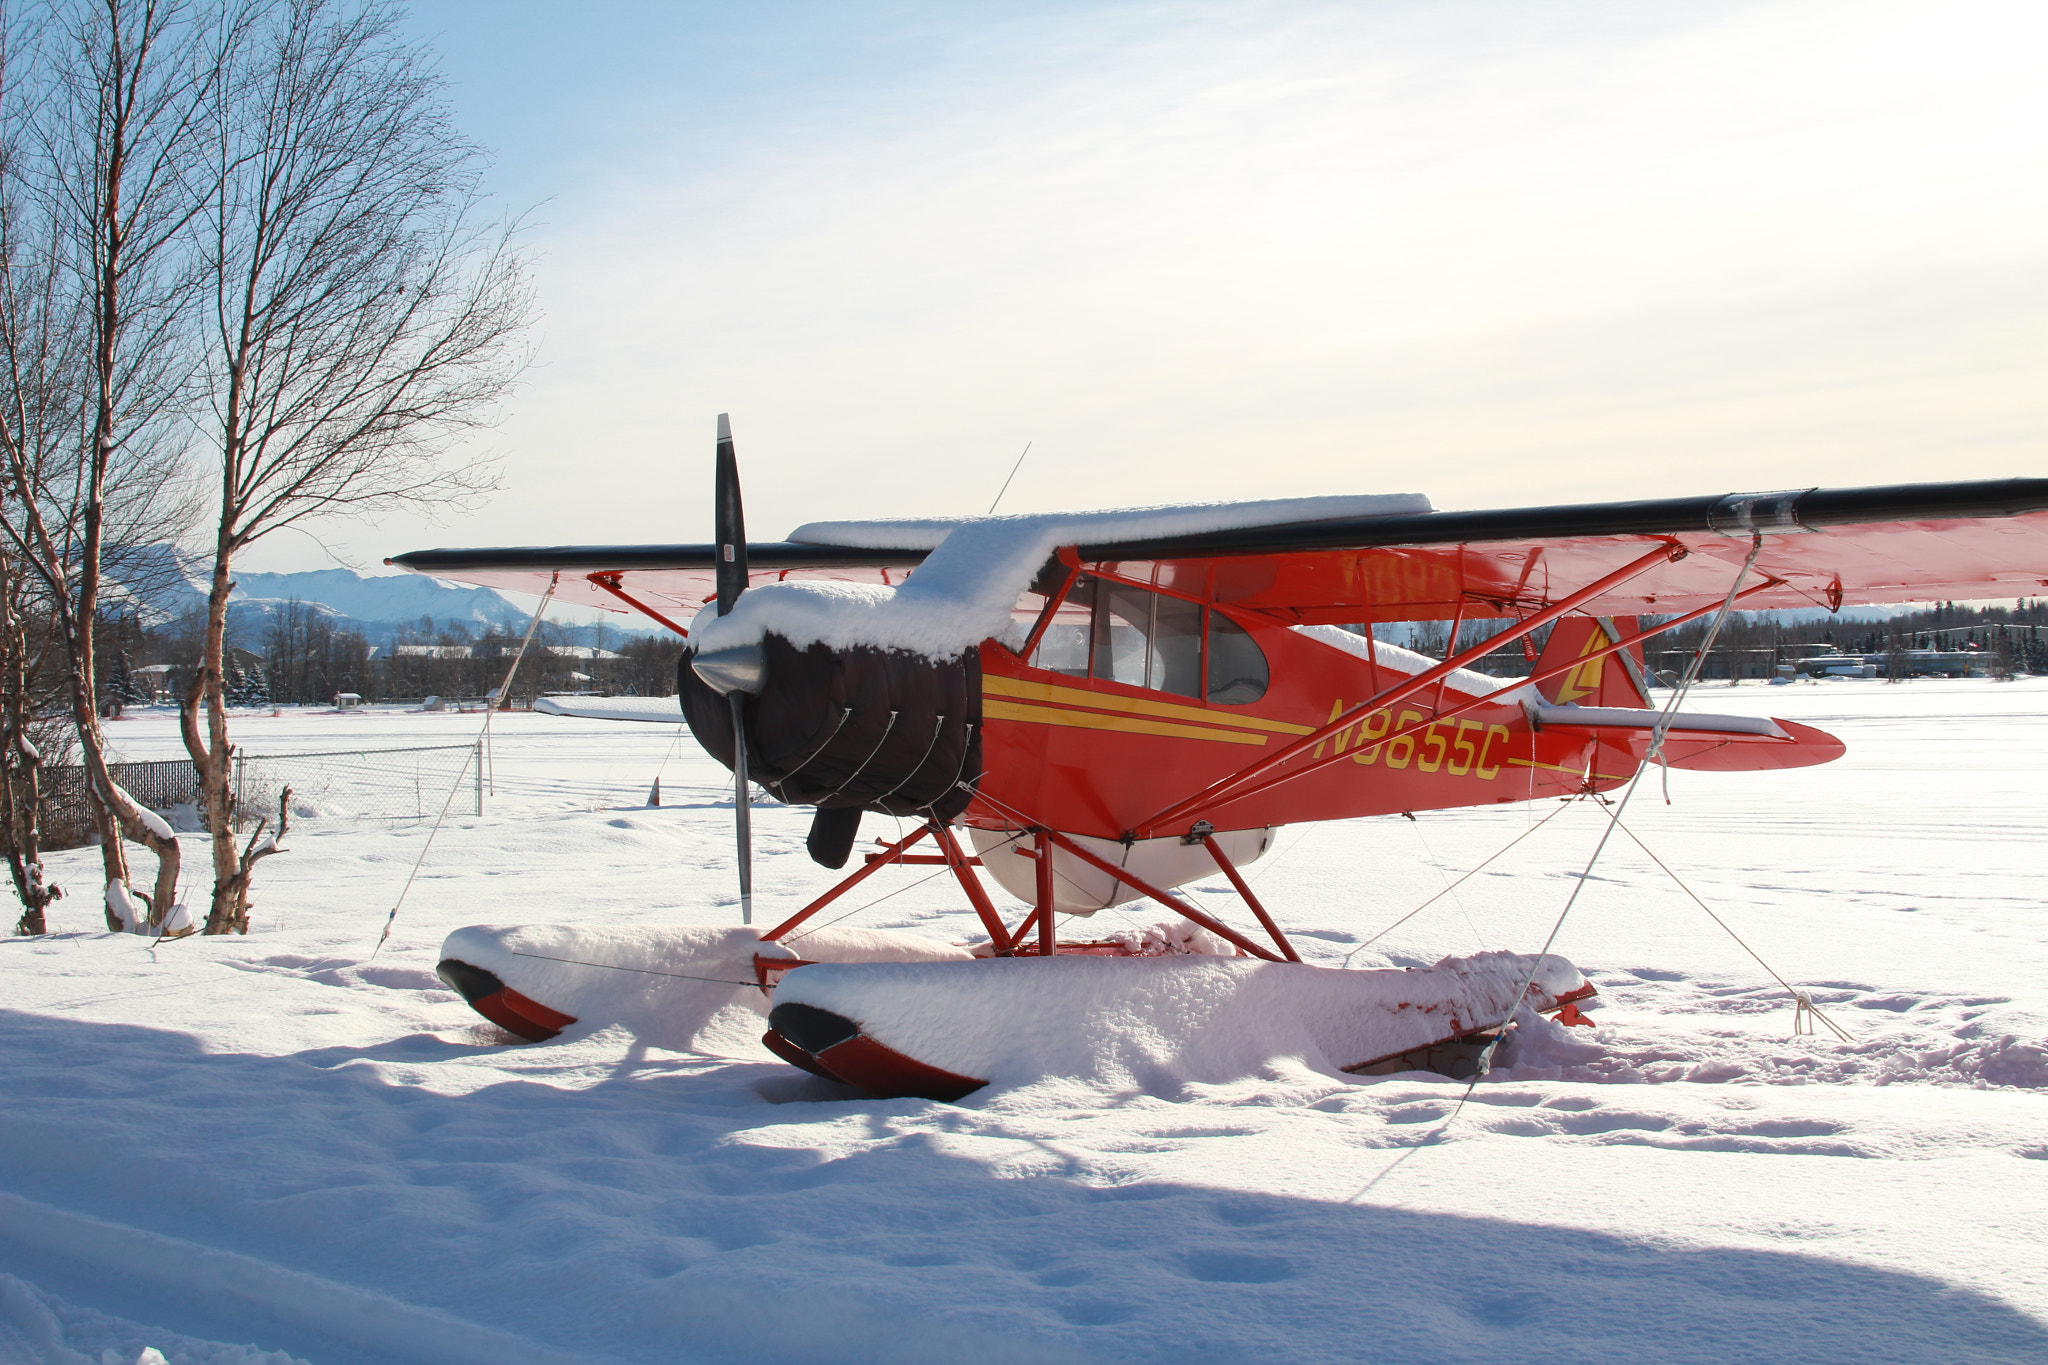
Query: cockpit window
pixel 1147 639
pixel 1063 648
pixel 1237 666
pixel 1132 635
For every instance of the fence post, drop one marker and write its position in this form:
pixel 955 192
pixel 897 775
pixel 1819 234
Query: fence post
pixel 476 766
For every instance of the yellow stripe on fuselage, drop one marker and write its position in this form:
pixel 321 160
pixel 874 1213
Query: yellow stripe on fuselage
pixel 1569 772
pixel 1095 720
pixel 992 686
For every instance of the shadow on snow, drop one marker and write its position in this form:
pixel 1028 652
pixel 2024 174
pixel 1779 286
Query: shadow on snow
pixel 664 1210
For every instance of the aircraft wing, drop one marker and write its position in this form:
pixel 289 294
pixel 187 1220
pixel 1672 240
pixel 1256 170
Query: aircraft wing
pixel 1820 548
pixel 675 580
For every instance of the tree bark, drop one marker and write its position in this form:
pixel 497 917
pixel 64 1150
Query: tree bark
pixel 103 191
pixel 236 915
pixel 212 758
pixel 21 787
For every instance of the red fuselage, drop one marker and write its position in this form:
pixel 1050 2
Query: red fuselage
pixel 1152 698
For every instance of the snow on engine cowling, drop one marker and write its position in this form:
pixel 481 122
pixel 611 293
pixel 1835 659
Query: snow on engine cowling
pixel 850 730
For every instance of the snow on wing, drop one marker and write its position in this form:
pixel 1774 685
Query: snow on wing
pixel 1821 547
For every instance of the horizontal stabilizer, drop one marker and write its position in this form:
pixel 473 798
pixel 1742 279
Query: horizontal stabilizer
pixel 1543 715
pixel 1802 747
pixel 1696 740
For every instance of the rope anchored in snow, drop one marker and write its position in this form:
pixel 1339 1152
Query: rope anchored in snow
pixel 504 691
pixel 1655 754
pixel 1804 1011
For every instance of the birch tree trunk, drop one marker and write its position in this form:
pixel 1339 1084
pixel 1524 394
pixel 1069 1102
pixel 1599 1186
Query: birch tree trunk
pixel 213 759
pixel 21 787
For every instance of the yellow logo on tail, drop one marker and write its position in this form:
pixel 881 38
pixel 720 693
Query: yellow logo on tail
pixel 1584 680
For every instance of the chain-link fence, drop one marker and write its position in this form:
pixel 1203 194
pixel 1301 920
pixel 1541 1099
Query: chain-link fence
pixel 340 784
pixel 361 784
pixel 66 819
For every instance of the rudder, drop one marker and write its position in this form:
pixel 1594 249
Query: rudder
pixel 1611 680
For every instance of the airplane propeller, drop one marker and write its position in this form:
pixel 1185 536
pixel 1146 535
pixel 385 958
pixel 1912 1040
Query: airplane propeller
pixel 732 670
pixel 862 728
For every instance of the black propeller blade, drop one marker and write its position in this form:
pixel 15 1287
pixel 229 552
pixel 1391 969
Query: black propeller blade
pixel 731 535
pixel 731 528
pixel 742 668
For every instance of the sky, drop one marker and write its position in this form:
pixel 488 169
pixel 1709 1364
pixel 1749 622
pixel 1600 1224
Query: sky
pixel 1499 253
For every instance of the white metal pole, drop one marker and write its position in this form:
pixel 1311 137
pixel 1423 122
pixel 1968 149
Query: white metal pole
pixel 491 705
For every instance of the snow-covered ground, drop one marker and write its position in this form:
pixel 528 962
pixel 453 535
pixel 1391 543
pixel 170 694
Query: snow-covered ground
pixel 282 1142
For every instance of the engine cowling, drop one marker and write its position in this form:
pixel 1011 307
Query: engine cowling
pixel 850 730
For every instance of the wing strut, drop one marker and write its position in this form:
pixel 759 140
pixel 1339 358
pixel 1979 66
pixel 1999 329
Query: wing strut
pixel 1344 722
pixel 610 583
pixel 1228 789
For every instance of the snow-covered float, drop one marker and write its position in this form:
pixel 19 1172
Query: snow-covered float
pixel 898 1014
pixel 945 1030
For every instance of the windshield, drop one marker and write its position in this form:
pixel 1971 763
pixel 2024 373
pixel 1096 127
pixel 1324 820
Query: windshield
pixel 1122 633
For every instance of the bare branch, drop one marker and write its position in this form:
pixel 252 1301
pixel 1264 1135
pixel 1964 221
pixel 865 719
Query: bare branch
pixel 361 318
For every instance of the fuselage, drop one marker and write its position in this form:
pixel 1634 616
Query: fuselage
pixel 1133 699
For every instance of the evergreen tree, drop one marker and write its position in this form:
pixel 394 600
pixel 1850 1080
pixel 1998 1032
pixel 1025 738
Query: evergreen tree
pixel 246 686
pixel 120 683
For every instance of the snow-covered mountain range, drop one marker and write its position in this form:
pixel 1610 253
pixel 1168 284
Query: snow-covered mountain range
pixel 162 583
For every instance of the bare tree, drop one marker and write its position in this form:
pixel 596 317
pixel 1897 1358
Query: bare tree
pixel 102 120
pixel 21 758
pixel 361 318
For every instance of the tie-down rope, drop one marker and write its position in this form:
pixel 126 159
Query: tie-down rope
pixel 1802 1002
pixel 490 705
pixel 1496 856
pixel 1655 755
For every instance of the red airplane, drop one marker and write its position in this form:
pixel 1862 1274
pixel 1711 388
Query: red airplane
pixel 1150 707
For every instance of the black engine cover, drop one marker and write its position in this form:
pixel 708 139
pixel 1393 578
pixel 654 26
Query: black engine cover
pixel 852 729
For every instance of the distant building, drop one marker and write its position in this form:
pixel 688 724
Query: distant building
pixel 426 652
pixel 584 652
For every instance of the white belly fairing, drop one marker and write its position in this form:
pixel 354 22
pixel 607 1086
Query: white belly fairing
pixel 1079 889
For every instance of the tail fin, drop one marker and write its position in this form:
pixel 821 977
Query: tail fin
pixel 1611 680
